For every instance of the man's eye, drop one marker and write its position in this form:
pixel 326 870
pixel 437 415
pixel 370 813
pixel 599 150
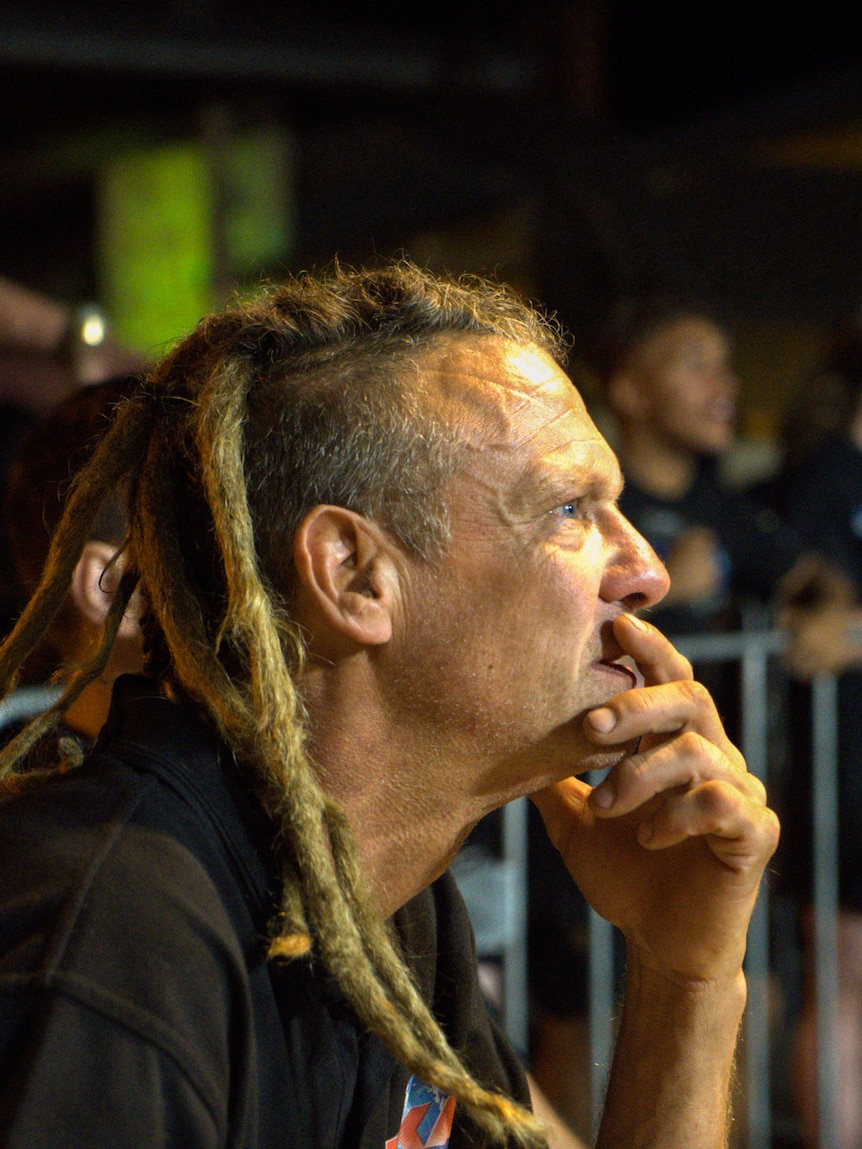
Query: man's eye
pixel 570 510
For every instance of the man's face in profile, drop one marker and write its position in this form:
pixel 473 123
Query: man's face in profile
pixel 508 641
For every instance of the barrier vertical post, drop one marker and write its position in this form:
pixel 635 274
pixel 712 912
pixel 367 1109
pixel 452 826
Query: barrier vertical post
pixel 601 977
pixel 753 687
pixel 515 994
pixel 825 861
pixel 601 990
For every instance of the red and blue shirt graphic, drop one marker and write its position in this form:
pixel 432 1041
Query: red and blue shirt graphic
pixel 426 1122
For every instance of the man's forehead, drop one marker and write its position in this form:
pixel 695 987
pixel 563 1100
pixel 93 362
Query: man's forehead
pixel 515 405
pixel 508 386
pixel 684 335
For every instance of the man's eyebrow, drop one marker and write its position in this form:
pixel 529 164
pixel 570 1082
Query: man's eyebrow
pixel 540 482
pixel 616 483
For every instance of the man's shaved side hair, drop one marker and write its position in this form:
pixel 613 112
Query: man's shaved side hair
pixel 311 394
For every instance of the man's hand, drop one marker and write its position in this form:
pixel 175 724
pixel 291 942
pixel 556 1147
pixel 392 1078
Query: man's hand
pixel 672 845
pixel 817 607
pixel 694 566
pixel 824 641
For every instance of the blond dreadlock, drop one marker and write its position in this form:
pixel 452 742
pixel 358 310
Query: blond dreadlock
pixel 309 396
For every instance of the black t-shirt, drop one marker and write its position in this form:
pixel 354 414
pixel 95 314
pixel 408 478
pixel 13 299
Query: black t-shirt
pixel 136 1005
pixel 822 500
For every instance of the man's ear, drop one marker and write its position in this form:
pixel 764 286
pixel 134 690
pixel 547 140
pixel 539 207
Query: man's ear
pixel 348 581
pixel 94 583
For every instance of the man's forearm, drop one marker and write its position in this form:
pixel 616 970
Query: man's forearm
pixel 670 1080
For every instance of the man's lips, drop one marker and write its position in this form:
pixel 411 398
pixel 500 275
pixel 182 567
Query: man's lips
pixel 622 668
pixel 611 657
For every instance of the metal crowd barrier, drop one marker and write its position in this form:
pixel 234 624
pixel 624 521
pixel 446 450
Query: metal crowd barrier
pixel 496 894
pixel 495 890
pixel 26 702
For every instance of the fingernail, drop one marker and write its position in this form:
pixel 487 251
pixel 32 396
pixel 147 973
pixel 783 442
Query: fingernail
pixel 645 832
pixel 636 622
pixel 603 797
pixel 603 720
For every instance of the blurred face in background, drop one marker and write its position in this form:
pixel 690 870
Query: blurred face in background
pixel 680 382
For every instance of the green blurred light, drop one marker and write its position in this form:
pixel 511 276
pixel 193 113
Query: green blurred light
pixel 155 244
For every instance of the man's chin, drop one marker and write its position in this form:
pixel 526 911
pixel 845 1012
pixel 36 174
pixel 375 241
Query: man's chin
pixel 603 758
pixel 570 754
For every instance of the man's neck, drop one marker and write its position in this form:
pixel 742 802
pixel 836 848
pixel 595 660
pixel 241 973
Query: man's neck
pixel 406 836
pixel 88 712
pixel 659 468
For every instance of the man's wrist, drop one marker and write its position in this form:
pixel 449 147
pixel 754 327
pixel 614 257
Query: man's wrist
pixel 670 1082
pixel 725 994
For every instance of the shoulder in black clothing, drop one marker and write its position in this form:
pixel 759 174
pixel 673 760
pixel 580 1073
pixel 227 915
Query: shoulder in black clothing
pixel 137 1006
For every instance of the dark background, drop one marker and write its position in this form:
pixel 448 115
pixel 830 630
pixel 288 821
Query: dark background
pixel 574 148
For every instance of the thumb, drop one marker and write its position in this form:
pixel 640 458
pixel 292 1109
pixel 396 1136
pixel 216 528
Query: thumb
pixel 562 807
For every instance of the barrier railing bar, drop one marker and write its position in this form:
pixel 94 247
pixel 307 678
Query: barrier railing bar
pixel 825 822
pixel 757 1044
pixel 601 991
pixel 723 646
pixel 515 989
pixel 26 702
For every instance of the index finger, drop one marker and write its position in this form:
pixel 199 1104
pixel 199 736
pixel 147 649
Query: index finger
pixel 656 657
pixel 666 709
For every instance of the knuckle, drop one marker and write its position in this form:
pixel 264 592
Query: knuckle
pixel 774 829
pixel 697 693
pixel 639 701
pixel 691 744
pixel 765 831
pixel 631 770
pixel 712 797
pixel 757 789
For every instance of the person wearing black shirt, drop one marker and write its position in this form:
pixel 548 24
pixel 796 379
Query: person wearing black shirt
pixel 819 491
pixel 56 447
pixel 386 588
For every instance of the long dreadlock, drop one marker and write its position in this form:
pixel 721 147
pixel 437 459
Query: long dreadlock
pixel 312 394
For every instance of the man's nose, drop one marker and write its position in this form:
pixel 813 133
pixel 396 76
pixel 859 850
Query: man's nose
pixel 635 575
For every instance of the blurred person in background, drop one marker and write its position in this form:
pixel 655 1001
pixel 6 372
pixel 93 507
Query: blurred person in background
pixel 47 351
pixel 57 446
pixel 665 372
pixel 819 492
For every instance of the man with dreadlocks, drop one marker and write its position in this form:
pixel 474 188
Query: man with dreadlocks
pixel 387 589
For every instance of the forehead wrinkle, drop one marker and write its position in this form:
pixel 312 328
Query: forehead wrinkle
pixel 489 376
pixel 576 461
pixel 515 397
pixel 517 403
